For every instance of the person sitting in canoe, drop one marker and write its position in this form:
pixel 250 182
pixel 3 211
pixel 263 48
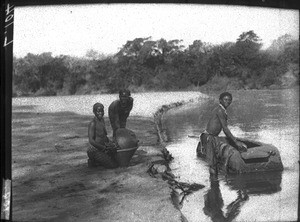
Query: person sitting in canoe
pixel 101 150
pixel 119 110
pixel 217 122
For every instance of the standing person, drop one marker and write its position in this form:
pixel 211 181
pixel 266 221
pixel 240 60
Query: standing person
pixel 101 151
pixel 119 110
pixel 217 122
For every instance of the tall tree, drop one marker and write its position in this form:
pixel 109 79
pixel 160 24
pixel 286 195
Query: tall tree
pixel 132 47
pixel 247 48
pixel 52 75
pixel 246 54
pixel 278 45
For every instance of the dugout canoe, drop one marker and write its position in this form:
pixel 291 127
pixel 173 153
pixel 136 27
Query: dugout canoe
pixel 259 157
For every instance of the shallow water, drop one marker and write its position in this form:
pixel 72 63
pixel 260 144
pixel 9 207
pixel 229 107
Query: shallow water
pixel 145 104
pixel 266 116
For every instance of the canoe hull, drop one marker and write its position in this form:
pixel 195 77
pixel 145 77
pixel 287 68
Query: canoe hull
pixel 258 158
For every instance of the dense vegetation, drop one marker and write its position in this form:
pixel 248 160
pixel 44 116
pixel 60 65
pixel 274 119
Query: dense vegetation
pixel 144 65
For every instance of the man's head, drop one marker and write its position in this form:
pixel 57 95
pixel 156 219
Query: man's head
pixel 225 99
pixel 98 110
pixel 124 95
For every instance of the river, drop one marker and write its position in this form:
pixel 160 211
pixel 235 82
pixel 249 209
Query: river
pixel 266 116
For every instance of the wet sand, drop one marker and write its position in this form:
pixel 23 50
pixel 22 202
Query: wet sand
pixel 51 180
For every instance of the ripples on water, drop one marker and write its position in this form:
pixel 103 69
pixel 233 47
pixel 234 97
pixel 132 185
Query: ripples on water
pixel 267 116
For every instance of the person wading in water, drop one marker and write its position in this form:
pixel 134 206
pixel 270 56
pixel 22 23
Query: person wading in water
pixel 119 110
pixel 209 138
pixel 101 150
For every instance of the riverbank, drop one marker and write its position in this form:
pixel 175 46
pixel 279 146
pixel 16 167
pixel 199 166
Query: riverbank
pixel 51 180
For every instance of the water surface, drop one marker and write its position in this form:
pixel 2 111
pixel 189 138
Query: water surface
pixel 145 104
pixel 266 116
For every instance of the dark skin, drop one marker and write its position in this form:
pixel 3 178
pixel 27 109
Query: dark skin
pixel 218 122
pixel 124 100
pixel 99 113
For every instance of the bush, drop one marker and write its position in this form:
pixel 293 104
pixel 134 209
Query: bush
pixel 268 78
pixel 45 92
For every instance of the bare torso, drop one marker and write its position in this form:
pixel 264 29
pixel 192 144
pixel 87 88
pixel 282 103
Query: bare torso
pixel 97 132
pixel 214 125
pixel 218 121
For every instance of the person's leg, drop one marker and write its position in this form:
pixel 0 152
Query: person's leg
pixel 105 160
pixel 98 158
pixel 211 153
pixel 91 155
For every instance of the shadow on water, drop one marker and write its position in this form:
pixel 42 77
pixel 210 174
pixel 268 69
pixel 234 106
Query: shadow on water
pixel 256 183
pixel 245 185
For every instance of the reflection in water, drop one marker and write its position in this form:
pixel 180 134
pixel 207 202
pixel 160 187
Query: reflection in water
pixel 213 203
pixel 245 185
pixel 256 183
pixel 266 116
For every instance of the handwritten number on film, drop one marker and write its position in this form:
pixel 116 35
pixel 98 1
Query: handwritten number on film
pixel 8 24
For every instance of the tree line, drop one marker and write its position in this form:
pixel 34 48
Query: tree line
pixel 143 64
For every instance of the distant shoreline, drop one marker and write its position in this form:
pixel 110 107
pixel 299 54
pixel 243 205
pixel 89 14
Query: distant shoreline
pixel 204 89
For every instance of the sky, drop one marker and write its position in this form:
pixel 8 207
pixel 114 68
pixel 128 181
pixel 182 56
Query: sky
pixel 75 29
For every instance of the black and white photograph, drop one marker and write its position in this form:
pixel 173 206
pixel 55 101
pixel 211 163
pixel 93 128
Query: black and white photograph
pixel 153 112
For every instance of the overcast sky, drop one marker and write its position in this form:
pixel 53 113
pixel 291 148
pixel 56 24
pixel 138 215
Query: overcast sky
pixel 74 29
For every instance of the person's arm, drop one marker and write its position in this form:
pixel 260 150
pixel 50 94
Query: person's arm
pixel 227 132
pixel 128 110
pixel 114 116
pixel 223 122
pixel 130 103
pixel 92 136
